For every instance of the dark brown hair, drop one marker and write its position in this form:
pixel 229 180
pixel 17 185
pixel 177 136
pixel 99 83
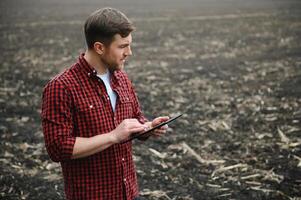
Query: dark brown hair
pixel 103 24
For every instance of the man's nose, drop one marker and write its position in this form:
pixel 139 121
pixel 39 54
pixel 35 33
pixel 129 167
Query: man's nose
pixel 129 51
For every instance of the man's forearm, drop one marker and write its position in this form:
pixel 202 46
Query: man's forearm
pixel 84 147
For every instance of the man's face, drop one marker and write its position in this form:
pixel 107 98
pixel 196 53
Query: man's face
pixel 116 54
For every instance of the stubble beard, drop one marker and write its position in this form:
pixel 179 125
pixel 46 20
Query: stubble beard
pixel 111 66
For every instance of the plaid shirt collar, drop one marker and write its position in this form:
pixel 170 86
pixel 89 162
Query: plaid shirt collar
pixel 92 73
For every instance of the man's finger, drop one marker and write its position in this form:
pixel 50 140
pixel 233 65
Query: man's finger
pixel 137 129
pixel 165 127
pixel 137 125
pixel 163 119
pixel 159 132
pixel 159 120
pixel 133 120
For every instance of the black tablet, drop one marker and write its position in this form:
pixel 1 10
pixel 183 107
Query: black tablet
pixel 136 135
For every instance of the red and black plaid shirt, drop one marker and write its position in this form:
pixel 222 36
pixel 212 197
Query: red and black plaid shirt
pixel 76 104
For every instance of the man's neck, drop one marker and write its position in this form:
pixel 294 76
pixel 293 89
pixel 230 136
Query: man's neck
pixel 93 60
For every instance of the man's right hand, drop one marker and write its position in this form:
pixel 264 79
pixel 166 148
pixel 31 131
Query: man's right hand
pixel 126 128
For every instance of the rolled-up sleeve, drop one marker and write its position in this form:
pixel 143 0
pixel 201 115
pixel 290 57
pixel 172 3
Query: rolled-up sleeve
pixel 57 121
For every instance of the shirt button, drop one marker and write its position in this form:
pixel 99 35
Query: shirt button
pixel 124 180
pixel 122 159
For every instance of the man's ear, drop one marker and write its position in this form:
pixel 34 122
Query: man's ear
pixel 99 48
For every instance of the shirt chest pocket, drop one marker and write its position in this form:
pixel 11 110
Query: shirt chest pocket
pixel 125 107
pixel 90 119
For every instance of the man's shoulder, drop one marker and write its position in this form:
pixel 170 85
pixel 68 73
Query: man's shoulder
pixel 65 79
pixel 121 73
pixel 123 77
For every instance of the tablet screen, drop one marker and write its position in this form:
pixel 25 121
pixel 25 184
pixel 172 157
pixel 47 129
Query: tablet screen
pixel 155 127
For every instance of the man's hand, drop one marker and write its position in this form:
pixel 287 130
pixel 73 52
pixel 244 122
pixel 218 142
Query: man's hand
pixel 126 128
pixel 160 131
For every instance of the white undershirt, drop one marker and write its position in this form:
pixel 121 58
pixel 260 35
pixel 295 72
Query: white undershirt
pixel 106 79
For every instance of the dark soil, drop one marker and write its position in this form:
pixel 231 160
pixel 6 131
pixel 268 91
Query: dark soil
pixel 233 67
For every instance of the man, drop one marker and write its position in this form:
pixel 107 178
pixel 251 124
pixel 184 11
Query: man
pixel 90 108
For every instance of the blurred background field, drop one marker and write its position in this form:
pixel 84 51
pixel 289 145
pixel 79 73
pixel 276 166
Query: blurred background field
pixel 232 66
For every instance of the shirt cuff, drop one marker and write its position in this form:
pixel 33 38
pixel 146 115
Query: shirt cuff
pixel 67 148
